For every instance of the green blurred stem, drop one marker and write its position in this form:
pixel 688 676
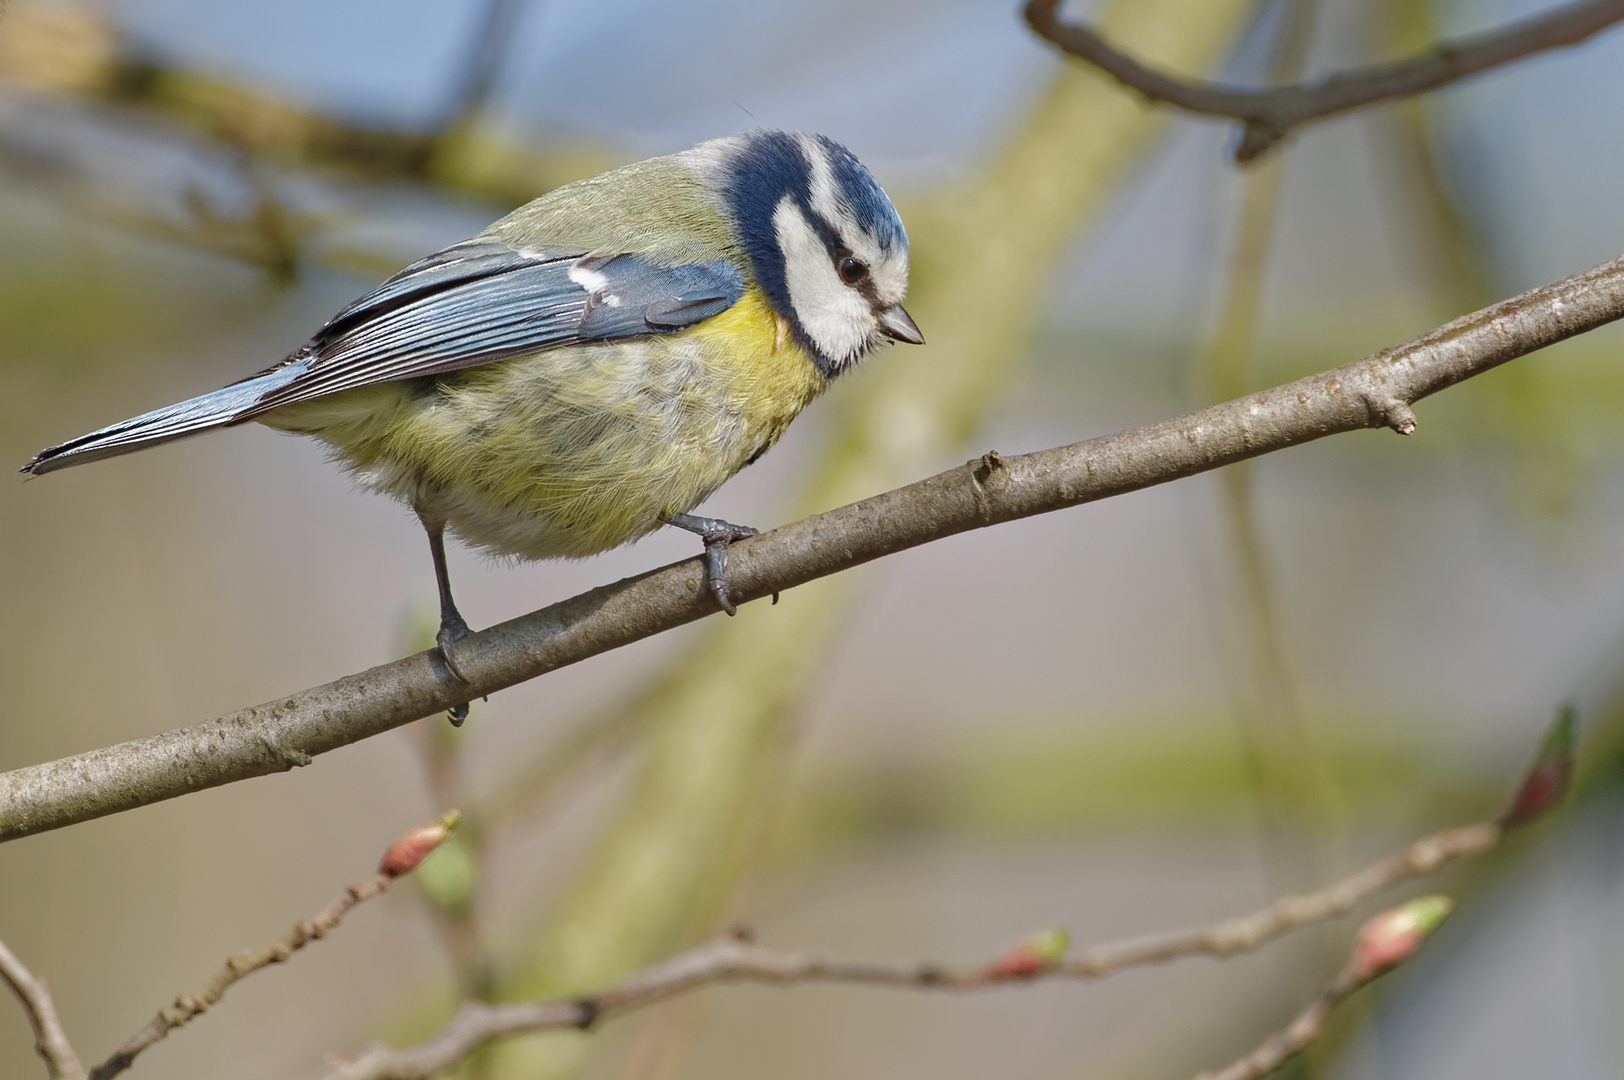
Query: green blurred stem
pixel 1291 779
pixel 1457 263
pixel 439 747
pixel 1547 467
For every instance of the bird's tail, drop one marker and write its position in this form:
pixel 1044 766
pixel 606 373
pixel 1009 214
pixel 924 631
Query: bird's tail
pixel 225 406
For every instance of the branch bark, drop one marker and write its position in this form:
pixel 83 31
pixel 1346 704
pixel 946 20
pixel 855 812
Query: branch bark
pixel 735 958
pixel 1270 115
pixel 1376 391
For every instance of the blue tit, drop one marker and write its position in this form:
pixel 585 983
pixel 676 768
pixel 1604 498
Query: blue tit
pixel 595 364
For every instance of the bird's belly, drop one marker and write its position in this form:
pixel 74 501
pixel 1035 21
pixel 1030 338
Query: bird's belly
pixel 575 450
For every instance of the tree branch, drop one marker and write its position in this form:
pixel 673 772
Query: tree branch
pixel 1270 115
pixel 61 1063
pixel 280 735
pixel 735 958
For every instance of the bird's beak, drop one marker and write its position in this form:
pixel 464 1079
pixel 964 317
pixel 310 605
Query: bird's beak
pixel 895 323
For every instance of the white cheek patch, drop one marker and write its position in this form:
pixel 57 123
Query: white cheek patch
pixel 835 316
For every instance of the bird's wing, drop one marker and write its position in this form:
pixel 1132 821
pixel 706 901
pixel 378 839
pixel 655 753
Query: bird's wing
pixel 470 304
pixel 483 300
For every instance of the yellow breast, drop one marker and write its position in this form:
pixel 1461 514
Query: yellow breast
pixel 575 450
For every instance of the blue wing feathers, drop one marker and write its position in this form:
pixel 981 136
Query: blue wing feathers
pixel 471 304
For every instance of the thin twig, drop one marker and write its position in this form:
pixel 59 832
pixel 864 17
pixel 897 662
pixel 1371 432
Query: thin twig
pixel 1376 391
pixel 61 1063
pixel 402 858
pixel 1270 115
pixel 1289 912
pixel 735 958
pixel 188 1006
pixel 1298 1035
pixel 1382 944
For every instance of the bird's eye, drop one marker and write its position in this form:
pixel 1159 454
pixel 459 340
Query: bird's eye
pixel 852 270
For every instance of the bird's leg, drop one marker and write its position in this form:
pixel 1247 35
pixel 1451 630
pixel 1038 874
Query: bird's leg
pixel 452 626
pixel 717 534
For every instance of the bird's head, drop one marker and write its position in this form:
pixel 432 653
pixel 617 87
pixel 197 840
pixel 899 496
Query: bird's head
pixel 824 241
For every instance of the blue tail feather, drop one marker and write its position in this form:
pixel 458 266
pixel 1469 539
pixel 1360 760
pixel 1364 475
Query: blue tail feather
pixel 224 406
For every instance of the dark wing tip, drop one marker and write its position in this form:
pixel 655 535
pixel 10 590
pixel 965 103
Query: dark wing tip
pixel 38 464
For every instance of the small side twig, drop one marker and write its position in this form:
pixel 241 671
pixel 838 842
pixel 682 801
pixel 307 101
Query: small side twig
pixel 1272 114
pixel 1384 943
pixel 401 858
pixel 50 1040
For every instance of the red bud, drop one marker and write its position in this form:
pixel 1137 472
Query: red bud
pixel 1393 936
pixel 404 854
pixel 1546 781
pixel 1035 955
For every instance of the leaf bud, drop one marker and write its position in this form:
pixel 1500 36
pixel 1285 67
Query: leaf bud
pixel 1392 937
pixel 1035 955
pixel 404 854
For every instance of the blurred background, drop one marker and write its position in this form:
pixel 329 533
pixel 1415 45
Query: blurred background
pixel 1161 709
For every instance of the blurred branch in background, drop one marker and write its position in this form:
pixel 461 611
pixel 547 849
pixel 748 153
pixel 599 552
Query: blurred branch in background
pixel 154 149
pixel 734 957
pixel 484 64
pixel 1293 786
pixel 1383 942
pixel 1376 391
pixel 1271 115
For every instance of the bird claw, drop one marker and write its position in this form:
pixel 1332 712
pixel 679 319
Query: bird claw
pixel 453 630
pixel 716 543
pixel 717 535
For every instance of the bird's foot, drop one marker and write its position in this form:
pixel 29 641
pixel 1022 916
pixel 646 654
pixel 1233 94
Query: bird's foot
pixel 453 630
pixel 717 535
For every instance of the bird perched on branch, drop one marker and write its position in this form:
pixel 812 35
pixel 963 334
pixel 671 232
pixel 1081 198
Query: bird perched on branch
pixel 595 364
